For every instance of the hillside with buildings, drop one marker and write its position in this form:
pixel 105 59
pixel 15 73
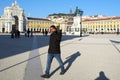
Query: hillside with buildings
pixel 14 18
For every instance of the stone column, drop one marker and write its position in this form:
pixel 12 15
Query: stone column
pixel 21 25
pixel 9 27
pixel 1 26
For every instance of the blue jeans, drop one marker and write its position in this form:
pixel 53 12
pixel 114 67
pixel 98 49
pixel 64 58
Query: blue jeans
pixel 49 61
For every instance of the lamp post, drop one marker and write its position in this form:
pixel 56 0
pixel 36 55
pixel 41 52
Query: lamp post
pixel 118 30
pixel 80 13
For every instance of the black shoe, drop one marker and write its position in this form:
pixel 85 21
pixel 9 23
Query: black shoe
pixel 62 73
pixel 45 76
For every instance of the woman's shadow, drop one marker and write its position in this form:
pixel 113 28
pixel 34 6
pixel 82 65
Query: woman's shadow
pixel 69 61
pixel 102 76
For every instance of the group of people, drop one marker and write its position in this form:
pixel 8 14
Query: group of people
pixel 28 33
pixel 45 32
pixel 15 34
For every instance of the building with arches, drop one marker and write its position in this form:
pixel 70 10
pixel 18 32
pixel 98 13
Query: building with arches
pixel 96 25
pixel 13 19
pixel 39 24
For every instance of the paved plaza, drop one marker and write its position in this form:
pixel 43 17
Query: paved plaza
pixel 92 57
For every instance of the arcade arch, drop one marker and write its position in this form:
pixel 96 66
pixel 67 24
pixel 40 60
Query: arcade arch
pixel 13 18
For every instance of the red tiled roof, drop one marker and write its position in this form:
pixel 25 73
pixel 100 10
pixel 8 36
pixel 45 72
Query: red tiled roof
pixel 70 23
pixel 31 18
pixel 70 18
pixel 109 18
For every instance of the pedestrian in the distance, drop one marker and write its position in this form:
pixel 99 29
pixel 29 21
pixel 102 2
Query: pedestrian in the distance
pixel 31 33
pixel 18 33
pixel 54 51
pixel 28 32
pixel 12 34
pixel 43 32
pixel 46 32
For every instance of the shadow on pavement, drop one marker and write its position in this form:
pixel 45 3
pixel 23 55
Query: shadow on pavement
pixel 11 47
pixel 102 76
pixel 21 62
pixel 69 61
pixel 117 42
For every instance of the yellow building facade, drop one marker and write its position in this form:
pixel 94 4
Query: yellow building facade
pixel 39 24
pixel 102 25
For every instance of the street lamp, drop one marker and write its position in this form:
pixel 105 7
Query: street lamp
pixel 118 30
pixel 80 13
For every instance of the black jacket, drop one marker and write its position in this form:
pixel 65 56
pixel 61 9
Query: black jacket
pixel 54 43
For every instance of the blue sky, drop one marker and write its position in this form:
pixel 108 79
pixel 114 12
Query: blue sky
pixel 42 8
